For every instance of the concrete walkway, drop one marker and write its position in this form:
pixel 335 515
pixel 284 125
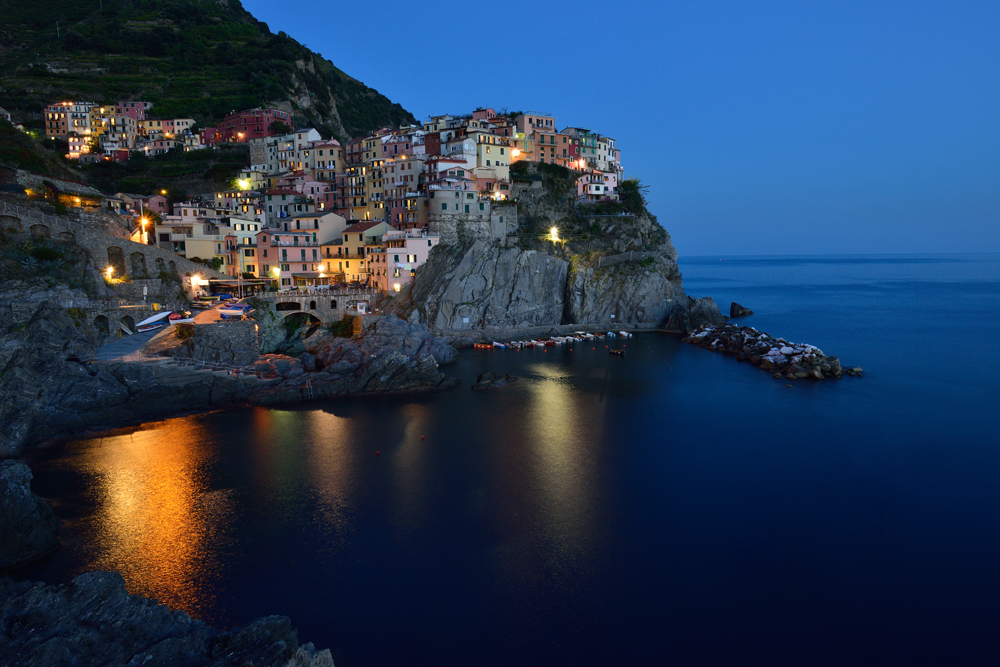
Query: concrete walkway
pixel 126 346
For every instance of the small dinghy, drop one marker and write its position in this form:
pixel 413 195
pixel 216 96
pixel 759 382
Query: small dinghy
pixel 154 322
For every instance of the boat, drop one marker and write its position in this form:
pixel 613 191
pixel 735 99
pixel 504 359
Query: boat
pixel 482 346
pixel 496 344
pixel 227 312
pixel 625 333
pixel 617 353
pixel 153 323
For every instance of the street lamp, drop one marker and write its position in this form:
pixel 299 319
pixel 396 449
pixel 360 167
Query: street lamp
pixel 110 271
pixel 554 234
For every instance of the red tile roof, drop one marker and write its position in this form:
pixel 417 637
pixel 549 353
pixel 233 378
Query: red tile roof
pixel 363 226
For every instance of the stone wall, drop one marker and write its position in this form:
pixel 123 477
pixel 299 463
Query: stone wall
pixel 497 221
pixel 105 236
pixel 36 181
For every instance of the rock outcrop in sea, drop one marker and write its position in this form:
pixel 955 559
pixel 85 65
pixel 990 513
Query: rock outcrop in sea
pixel 736 310
pixel 793 361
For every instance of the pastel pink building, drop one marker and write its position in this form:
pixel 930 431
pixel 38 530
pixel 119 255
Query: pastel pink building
pixel 597 185
pixel 134 110
pixel 395 263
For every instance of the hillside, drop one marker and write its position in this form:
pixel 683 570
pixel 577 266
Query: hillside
pixel 192 58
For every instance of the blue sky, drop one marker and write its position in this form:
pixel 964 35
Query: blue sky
pixel 760 127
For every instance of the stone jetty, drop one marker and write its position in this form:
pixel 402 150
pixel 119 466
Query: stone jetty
pixel 792 361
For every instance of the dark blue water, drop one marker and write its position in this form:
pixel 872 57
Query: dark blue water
pixel 671 506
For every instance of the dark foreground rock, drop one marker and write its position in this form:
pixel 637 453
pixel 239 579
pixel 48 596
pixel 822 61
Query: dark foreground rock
pixel 27 523
pixel 492 381
pixel 783 359
pixel 94 621
pixel 736 310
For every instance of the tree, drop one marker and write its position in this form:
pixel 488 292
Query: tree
pixel 632 194
pixel 278 127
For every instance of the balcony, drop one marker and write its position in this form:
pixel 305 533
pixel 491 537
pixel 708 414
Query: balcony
pixel 300 244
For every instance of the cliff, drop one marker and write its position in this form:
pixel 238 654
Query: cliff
pixel 612 264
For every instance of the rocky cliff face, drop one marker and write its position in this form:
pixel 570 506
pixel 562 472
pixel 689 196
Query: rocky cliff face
pixel 93 620
pixel 492 284
pixel 606 269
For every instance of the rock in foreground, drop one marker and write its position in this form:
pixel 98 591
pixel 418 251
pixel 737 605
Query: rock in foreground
pixel 792 361
pixel 489 380
pixel 27 523
pixel 94 621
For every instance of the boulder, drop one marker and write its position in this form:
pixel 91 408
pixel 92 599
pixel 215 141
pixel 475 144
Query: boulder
pixel 27 522
pixel 490 380
pixel 736 310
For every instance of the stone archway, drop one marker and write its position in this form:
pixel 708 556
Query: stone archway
pixel 161 266
pixel 9 223
pixel 128 323
pixel 101 324
pixel 138 261
pixel 116 260
pixel 333 304
pixel 288 305
pixel 41 231
pixel 67 237
pixel 312 305
pixel 172 266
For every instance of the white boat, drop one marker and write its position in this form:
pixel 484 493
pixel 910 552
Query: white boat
pixel 496 344
pixel 154 322
pixel 626 334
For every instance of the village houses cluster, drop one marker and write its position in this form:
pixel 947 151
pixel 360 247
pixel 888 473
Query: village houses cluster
pixel 310 211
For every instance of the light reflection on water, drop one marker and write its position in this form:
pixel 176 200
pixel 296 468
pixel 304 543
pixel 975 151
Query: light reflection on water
pixel 155 515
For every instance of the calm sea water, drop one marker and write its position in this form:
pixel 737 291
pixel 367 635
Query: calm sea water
pixel 671 506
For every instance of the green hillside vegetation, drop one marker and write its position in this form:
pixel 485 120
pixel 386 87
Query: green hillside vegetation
pixel 192 58
pixel 20 150
pixel 179 173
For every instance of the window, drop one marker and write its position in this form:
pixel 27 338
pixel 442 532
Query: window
pixel 395 258
pixel 444 207
pixel 284 267
pixel 482 206
pixel 466 208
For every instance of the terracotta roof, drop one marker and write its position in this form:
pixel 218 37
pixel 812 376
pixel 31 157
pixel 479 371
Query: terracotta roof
pixel 362 226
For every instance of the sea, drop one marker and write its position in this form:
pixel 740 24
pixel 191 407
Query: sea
pixel 669 506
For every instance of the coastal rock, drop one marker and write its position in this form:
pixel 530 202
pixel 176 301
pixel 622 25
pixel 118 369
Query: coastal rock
pixel 27 522
pixel 94 620
pixel 736 310
pixel 690 313
pixel 776 355
pixel 490 380
pixel 389 356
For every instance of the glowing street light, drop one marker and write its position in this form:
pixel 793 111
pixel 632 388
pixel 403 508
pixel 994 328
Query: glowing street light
pixel 554 234
pixel 110 271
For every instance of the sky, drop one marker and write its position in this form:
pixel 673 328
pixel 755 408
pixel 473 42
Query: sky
pixel 760 127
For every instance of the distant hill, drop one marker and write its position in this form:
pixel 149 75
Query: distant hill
pixel 199 59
